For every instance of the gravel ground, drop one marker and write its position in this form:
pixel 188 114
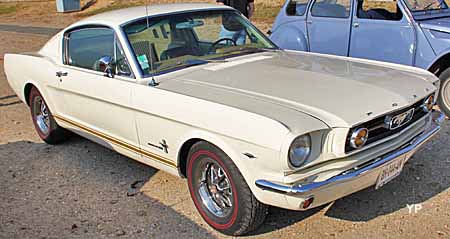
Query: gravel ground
pixel 81 190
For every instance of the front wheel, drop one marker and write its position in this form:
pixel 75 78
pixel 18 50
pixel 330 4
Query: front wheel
pixel 220 193
pixel 444 92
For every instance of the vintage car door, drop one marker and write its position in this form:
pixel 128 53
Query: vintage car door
pixel 155 108
pixel 93 102
pixel 382 32
pixel 328 25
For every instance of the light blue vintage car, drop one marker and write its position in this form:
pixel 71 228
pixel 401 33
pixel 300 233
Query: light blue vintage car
pixel 409 32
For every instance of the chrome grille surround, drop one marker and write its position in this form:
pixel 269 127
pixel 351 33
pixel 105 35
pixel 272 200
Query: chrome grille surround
pixel 379 129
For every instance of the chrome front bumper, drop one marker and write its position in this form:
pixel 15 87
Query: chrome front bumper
pixel 355 180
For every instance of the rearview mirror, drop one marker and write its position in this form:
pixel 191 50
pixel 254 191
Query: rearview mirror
pixel 189 24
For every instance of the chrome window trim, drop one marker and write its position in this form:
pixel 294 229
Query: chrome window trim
pixel 65 54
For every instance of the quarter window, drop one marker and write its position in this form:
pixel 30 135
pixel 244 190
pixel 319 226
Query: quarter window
pixel 333 8
pixel 296 7
pixel 85 47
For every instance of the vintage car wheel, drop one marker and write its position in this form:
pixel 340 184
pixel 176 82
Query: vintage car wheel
pixel 220 193
pixel 444 92
pixel 43 120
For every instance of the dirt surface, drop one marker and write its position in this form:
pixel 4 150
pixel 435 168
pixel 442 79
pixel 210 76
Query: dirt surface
pixel 81 190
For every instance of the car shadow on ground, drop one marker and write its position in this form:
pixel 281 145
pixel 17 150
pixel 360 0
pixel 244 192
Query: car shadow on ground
pixel 82 189
pixel 84 169
pixel 279 218
pixel 425 175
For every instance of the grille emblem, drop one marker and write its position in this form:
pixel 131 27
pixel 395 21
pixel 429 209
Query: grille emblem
pixel 397 121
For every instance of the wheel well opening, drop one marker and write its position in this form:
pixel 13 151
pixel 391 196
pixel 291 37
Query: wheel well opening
pixel 183 155
pixel 27 92
pixel 440 65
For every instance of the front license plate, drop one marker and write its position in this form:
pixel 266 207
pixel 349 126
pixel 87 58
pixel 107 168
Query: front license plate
pixel 390 171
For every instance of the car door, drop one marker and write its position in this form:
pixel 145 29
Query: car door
pixel 328 25
pixel 94 102
pixel 382 32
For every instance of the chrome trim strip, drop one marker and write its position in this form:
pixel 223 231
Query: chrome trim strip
pixel 311 188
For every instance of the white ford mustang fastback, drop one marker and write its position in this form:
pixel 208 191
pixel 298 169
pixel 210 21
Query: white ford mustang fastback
pixel 197 91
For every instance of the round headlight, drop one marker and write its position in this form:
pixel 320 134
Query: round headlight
pixel 428 104
pixel 359 138
pixel 300 150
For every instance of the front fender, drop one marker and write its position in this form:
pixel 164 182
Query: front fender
pixel 266 162
pixel 288 36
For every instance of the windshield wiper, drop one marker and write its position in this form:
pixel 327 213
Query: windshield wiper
pixel 259 49
pixel 251 50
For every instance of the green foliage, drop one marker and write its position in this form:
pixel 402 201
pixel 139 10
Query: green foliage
pixel 7 9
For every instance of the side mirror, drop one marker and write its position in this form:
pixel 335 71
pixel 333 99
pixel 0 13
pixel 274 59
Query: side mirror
pixel 106 65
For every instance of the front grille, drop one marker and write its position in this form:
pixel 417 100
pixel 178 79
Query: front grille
pixel 377 127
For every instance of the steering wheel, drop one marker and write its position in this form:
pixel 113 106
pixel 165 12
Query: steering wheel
pixel 213 46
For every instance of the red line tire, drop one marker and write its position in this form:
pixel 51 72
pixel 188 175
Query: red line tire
pixel 444 92
pixel 246 213
pixel 54 133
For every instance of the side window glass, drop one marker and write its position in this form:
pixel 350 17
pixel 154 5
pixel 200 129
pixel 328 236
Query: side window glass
pixel 86 46
pixel 379 10
pixel 331 8
pixel 296 7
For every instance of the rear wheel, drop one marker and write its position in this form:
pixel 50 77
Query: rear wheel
pixel 220 193
pixel 444 92
pixel 46 126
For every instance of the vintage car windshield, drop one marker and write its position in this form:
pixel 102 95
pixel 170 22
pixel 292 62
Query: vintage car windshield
pixel 175 41
pixel 426 5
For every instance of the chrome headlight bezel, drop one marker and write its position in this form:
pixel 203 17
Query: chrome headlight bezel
pixel 428 103
pixel 300 150
pixel 359 138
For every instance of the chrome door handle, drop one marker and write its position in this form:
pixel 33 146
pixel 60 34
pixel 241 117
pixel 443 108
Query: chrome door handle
pixel 309 22
pixel 355 24
pixel 60 74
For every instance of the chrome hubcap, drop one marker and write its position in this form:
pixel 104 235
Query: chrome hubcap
pixel 215 190
pixel 41 115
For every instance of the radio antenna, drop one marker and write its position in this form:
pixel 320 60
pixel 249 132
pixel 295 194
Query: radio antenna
pixel 150 48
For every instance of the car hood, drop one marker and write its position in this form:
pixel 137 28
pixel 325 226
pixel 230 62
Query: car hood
pixel 341 92
pixel 438 24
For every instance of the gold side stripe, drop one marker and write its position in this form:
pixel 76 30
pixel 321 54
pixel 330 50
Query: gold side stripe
pixel 119 142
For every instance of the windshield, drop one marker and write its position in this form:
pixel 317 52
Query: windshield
pixel 425 5
pixel 175 41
